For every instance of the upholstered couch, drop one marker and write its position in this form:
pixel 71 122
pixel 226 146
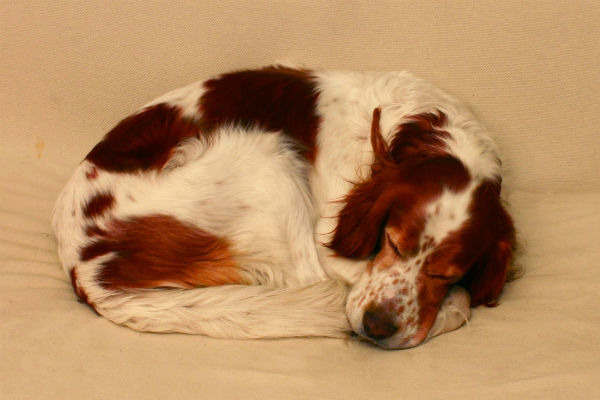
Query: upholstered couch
pixel 530 71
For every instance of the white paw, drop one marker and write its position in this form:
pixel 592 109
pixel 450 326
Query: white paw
pixel 454 312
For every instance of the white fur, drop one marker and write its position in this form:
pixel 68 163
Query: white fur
pixel 446 214
pixel 251 188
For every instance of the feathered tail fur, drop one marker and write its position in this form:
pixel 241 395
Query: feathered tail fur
pixel 233 311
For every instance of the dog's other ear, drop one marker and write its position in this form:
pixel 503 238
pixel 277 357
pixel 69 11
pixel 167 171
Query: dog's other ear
pixel 487 276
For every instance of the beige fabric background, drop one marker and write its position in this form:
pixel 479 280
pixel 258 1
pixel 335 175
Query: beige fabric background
pixel 530 70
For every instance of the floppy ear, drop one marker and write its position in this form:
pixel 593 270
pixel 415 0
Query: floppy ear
pixel 361 220
pixel 486 278
pixel 366 206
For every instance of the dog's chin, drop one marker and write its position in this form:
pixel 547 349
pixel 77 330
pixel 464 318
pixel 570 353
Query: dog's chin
pixel 400 343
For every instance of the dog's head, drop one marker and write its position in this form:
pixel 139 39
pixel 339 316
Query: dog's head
pixel 428 223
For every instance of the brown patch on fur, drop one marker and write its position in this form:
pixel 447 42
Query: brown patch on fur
pixel 143 141
pixel 421 137
pixel 82 297
pixel 98 204
pixel 273 98
pixel 490 234
pixel 94 230
pixel 160 251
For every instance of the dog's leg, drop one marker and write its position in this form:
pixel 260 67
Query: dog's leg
pixel 295 217
pixel 299 227
pixel 340 268
pixel 263 194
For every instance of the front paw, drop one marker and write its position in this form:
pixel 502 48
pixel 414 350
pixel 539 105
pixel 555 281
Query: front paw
pixel 454 312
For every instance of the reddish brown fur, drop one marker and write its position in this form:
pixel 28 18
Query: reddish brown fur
pixel 160 251
pixel 420 138
pixel 490 230
pixel 94 230
pixel 82 297
pixel 143 141
pixel 98 204
pixel 380 148
pixel 405 241
pixel 273 98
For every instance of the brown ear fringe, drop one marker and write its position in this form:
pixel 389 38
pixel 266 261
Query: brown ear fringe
pixel 380 148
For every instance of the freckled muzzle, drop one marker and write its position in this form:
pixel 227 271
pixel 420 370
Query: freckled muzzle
pixel 382 307
pixel 382 324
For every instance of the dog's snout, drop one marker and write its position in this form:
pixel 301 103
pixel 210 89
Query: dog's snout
pixel 378 324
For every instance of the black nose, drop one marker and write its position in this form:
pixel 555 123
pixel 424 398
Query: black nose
pixel 378 324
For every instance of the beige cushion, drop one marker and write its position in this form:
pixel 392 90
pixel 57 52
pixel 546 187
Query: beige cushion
pixel 530 71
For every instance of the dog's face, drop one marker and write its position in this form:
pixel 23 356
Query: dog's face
pixel 423 250
pixel 428 224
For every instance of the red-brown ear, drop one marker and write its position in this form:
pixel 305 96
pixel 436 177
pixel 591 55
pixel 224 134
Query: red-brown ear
pixel 366 206
pixel 486 279
pixel 361 220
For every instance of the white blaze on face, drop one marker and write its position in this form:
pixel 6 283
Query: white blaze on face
pixel 446 214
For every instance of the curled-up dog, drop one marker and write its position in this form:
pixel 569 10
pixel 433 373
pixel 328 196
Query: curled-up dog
pixel 284 202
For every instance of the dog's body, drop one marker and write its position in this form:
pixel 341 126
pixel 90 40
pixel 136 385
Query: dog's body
pixel 243 206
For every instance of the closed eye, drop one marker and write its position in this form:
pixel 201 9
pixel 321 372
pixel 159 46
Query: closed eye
pixel 393 245
pixel 442 277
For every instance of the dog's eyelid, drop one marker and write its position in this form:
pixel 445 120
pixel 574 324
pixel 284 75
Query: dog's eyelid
pixel 442 277
pixel 394 246
pixel 449 273
pixel 401 253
